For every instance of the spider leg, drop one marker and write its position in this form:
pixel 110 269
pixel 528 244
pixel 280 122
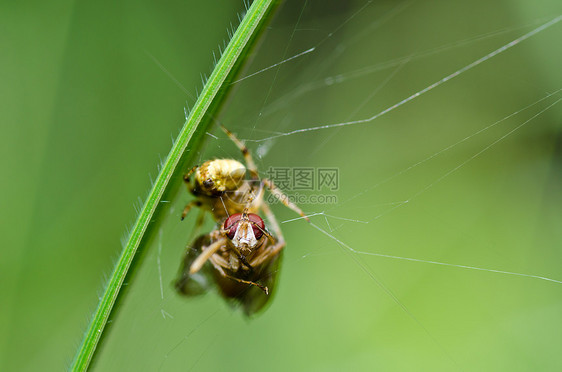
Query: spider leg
pixel 283 198
pixel 194 203
pixel 188 174
pixel 245 152
pixel 272 221
pixel 255 175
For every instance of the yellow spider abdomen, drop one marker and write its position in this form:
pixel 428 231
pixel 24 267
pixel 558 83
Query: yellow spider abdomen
pixel 220 175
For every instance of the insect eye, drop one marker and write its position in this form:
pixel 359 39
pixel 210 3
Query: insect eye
pixel 231 224
pixel 208 183
pixel 257 225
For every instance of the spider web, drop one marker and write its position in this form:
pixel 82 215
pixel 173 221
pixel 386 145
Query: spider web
pixel 442 242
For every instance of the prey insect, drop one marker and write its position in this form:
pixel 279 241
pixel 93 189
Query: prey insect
pixel 241 257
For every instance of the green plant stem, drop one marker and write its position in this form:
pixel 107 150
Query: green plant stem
pixel 207 105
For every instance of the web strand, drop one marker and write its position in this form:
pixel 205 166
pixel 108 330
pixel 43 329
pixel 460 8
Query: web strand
pixel 423 91
pixel 432 262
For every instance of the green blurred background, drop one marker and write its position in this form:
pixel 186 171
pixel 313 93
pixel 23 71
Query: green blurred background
pixel 92 94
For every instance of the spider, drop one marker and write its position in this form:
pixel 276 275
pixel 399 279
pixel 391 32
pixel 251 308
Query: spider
pixel 243 255
pixel 244 259
pixel 220 187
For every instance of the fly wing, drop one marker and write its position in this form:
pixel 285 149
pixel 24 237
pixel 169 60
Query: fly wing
pixel 255 300
pixel 194 284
